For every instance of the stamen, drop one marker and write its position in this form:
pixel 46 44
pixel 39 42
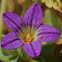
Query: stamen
pixel 41 37
pixel 25 42
pixel 28 35
pixel 32 37
pixel 28 39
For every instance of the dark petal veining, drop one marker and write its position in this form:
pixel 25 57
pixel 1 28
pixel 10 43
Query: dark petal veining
pixel 11 41
pixel 49 33
pixel 33 49
pixel 13 21
pixel 33 16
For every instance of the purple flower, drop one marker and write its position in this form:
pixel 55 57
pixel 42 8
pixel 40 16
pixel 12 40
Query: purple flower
pixel 28 32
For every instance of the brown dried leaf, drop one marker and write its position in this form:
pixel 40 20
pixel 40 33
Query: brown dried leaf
pixel 56 4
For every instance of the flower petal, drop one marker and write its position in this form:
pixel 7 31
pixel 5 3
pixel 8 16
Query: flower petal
pixel 48 33
pixel 33 16
pixel 11 41
pixel 33 49
pixel 12 20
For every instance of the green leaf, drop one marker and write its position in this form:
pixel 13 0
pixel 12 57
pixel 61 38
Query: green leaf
pixel 13 53
pixel 60 52
pixel 47 53
pixel 51 19
pixel 15 60
pixel 6 55
pixel 2 57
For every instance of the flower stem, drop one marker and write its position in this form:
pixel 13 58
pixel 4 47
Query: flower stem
pixel 24 8
pixel 3 9
pixel 22 54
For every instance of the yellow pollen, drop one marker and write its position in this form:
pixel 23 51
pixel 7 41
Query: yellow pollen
pixel 29 34
pixel 28 38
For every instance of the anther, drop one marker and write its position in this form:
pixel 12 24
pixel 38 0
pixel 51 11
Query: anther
pixel 41 37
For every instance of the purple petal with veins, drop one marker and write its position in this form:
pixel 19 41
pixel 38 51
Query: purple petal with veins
pixel 33 16
pixel 27 32
pixel 33 49
pixel 49 33
pixel 11 41
pixel 13 21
